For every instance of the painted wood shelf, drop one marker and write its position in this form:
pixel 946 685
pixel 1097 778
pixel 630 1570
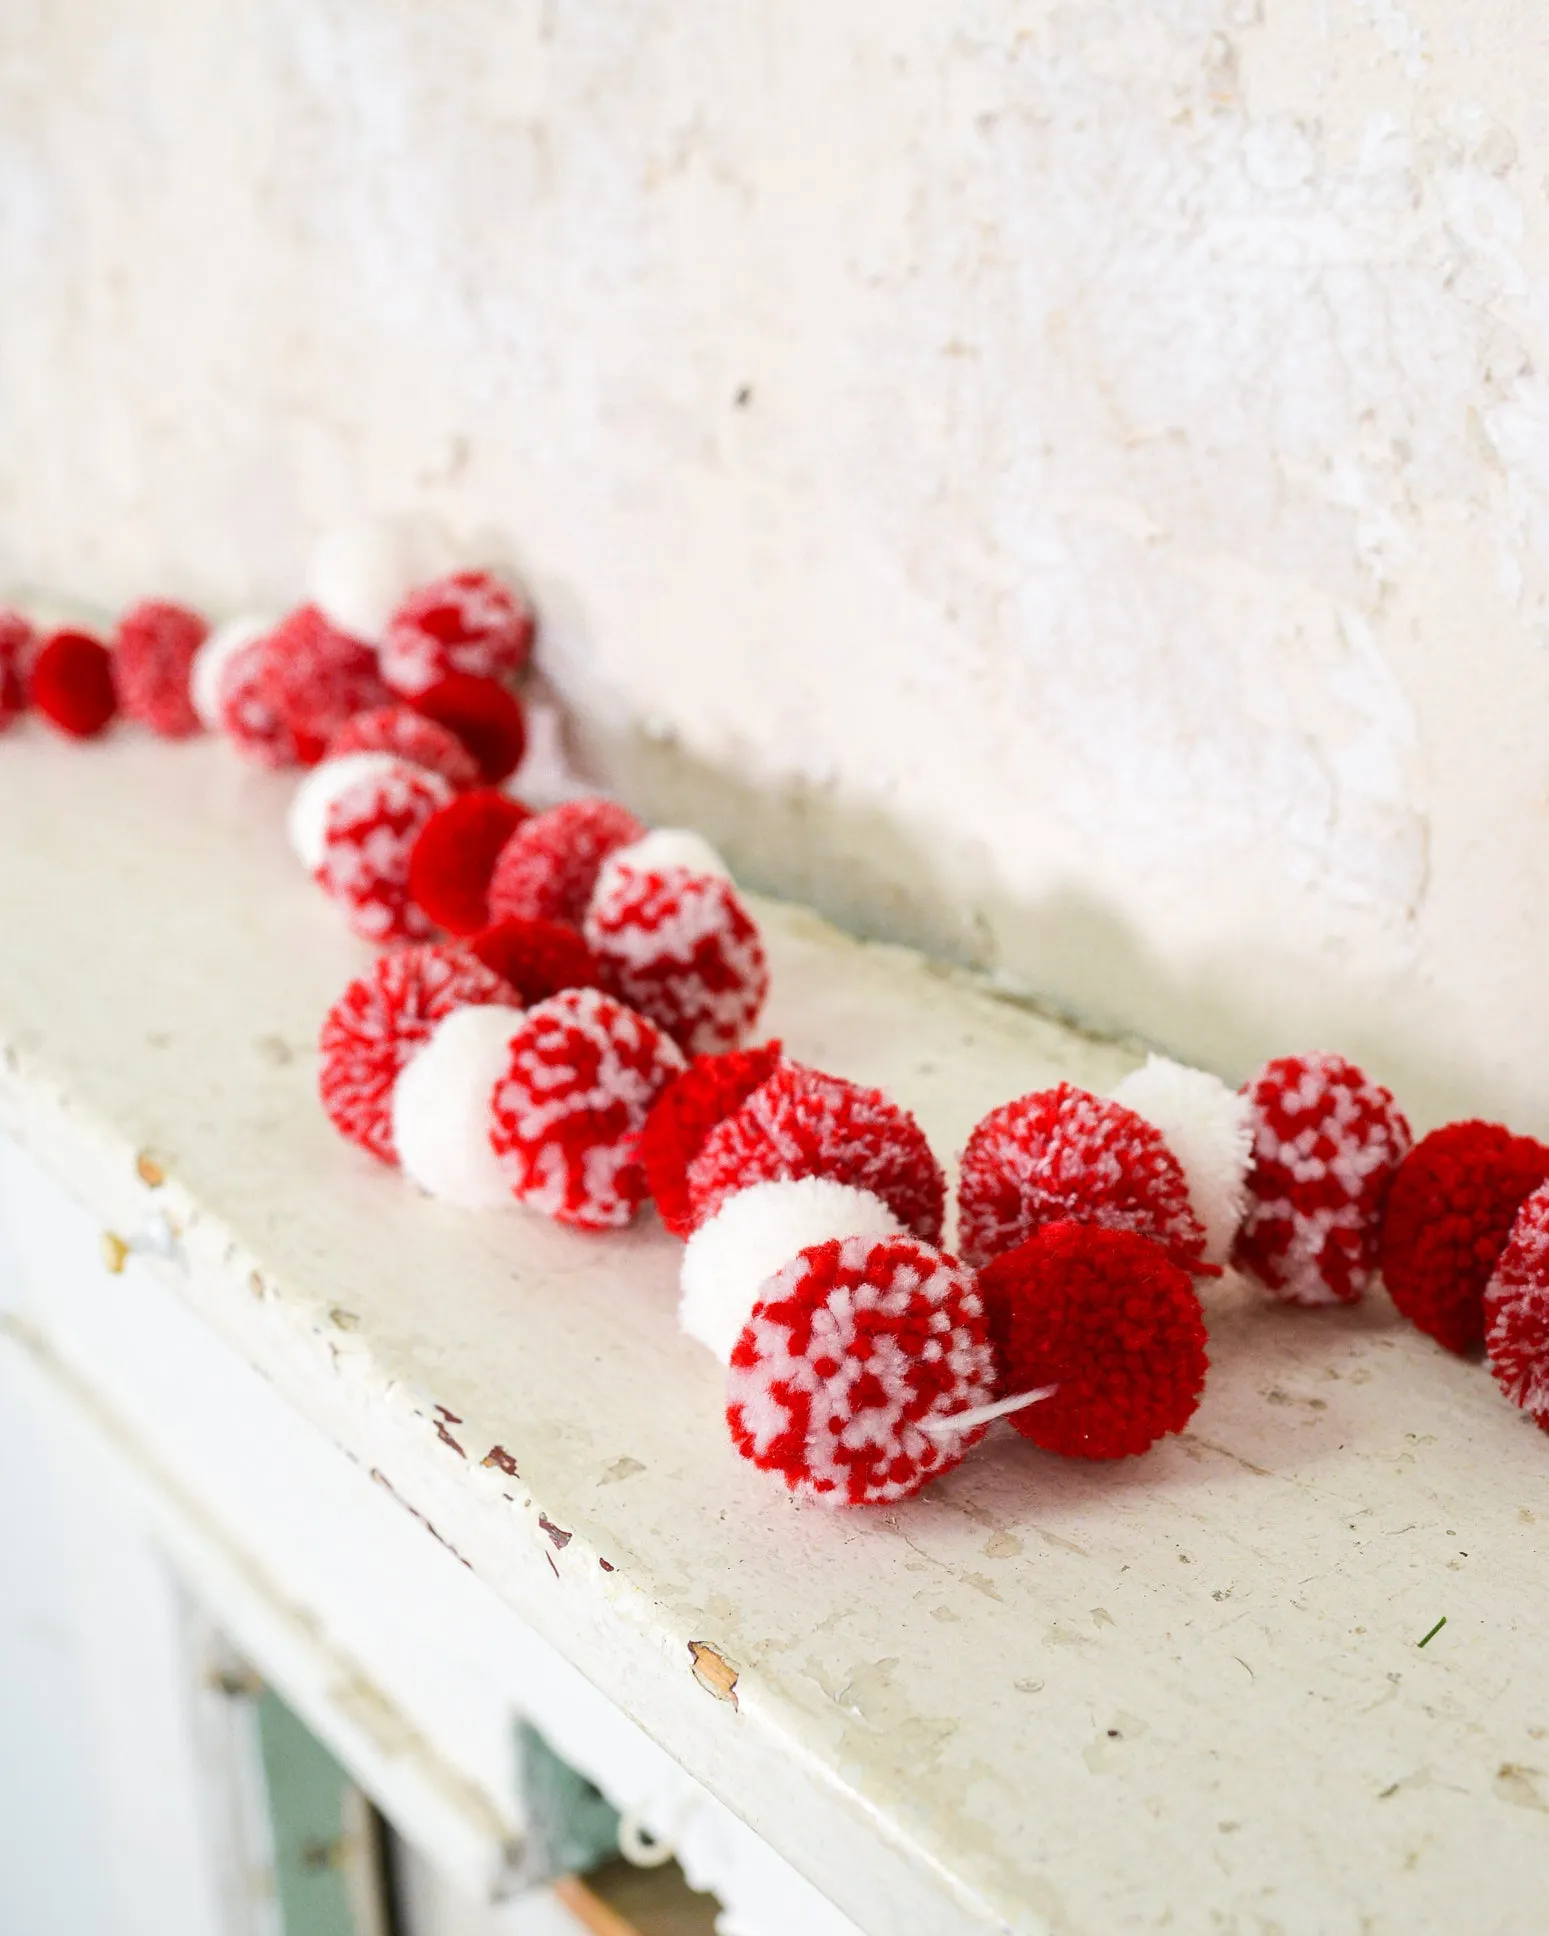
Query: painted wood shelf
pixel 1181 1692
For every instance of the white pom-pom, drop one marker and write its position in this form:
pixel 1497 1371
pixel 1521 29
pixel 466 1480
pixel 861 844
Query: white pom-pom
pixel 213 657
pixel 360 573
pixel 443 1106
pixel 306 819
pixel 662 848
pixel 1209 1128
pixel 730 1258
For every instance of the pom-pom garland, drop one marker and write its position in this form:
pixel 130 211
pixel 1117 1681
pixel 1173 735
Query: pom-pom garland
pixel 1208 1127
pixel 1326 1143
pixel 488 720
pixel 401 730
pixel 443 1108
pixel 16 643
pixel 455 854
pixel 220 650
pixel 1450 1211
pixel 284 695
pixel 708 1090
pixel 549 867
pixel 70 682
pixel 373 810
pixel 1516 1311
pixel 538 957
pixel 468 622
pixel 153 654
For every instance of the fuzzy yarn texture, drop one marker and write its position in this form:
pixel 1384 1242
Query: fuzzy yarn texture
pixel 489 720
pixel 682 949
pixel 582 1075
pixel 285 695
pixel 1516 1311
pixel 549 867
pixel 468 622
pixel 1449 1215
pixel 371 830
pixel 70 682
pixel 455 855
pixel 654 853
pixel 853 1344
pixel 1112 1321
pixel 443 1109
pixel 1326 1143
pixel 16 642
pixel 731 1256
pixel 153 655
pixel 207 674
pixel 380 1023
pixel 306 818
pixel 1064 1155
pixel 538 957
pixel 1208 1127
pixel 802 1122
pixel 708 1090
pixel 401 730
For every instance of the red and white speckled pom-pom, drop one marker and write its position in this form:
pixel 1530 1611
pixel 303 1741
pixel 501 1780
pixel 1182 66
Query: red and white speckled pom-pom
pixel 16 640
pixel 455 855
pixel 220 650
pixel 681 948
pixel 1448 1216
pixel 1107 1318
pixel 153 657
pixel 354 822
pixel 802 1122
pixel 381 1021
pixel 707 1092
pixel 467 622
pixel 283 696
pixel 584 1071
pixel 401 730
pixel 1326 1143
pixel 359 571
pixel 1062 1154
pixel 1516 1311
pixel 549 867
pixel 538 957
pixel 856 1347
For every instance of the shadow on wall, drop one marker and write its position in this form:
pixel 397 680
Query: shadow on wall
pixel 1076 957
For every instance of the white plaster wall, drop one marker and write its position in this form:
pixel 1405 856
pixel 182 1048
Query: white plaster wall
pixel 1066 483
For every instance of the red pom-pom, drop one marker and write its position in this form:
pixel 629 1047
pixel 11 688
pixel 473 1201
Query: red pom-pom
pixel 468 622
pixel 455 854
pixel 686 1111
pixel 804 1123
pixel 402 731
pixel 381 1021
pixel 369 835
pixel 1326 1142
pixel 487 719
pixel 71 684
pixel 1062 1154
pixel 153 651
pixel 1516 1311
pixel 1449 1213
pixel 852 1346
pixel 285 696
pixel 538 957
pixel 16 642
pixel 568 1114
pixel 682 949
pixel 550 865
pixel 1108 1317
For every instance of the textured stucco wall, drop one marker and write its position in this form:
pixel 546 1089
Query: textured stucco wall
pixel 1065 483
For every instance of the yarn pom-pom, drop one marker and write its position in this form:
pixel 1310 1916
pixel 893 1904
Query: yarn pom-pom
pixel 549 867
pixel 538 957
pixel 1062 1154
pixel 443 1109
pixel 455 854
pixel 854 1346
pixel 285 695
pixel 70 682
pixel 16 640
pixel 1208 1127
pixel 360 571
pixel 1449 1214
pixel 381 1021
pixel 370 825
pixel 153 657
pixel 1107 1317
pixel 488 720
pixel 583 1073
pixel 1516 1311
pixel 682 949
pixel 730 1257
pixel 804 1123
pixel 408 734
pixel 686 1111
pixel 467 622
pixel 1326 1142
pixel 207 675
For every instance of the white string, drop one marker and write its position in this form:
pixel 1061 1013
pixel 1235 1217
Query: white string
pixel 955 1422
